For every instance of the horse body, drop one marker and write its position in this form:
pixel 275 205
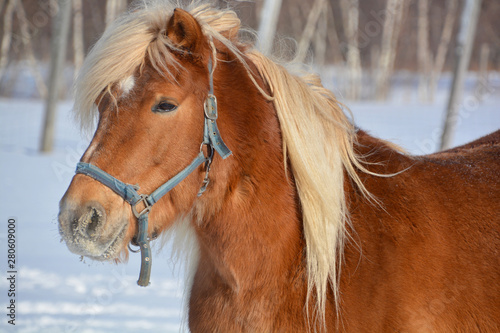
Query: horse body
pixel 421 252
pixel 426 259
pixel 422 261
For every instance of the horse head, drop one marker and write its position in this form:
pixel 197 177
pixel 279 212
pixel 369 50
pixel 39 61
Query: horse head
pixel 150 127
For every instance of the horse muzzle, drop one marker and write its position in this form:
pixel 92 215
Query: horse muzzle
pixel 86 233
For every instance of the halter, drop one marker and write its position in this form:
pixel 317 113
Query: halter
pixel 211 139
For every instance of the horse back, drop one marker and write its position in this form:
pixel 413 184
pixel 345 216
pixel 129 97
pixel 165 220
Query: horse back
pixel 425 257
pixel 490 140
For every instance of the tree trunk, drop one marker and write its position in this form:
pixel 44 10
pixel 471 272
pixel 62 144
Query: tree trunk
pixel 78 46
pixel 423 55
pixel 437 68
pixel 28 47
pixel 58 56
pixel 333 37
pixel 267 28
pixel 398 24
pixel 294 13
pixel 482 80
pixel 350 14
pixel 374 69
pixel 309 29
pixel 390 37
pixel 320 40
pixel 7 35
pixel 113 9
pixel 465 41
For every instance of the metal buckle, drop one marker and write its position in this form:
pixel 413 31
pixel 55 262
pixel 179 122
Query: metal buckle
pixel 208 163
pixel 147 206
pixel 211 107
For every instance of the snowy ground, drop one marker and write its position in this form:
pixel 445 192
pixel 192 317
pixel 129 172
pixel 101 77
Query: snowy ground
pixel 56 292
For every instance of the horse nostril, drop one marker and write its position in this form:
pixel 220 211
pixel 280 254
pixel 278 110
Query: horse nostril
pixel 88 221
pixel 74 225
pixel 96 217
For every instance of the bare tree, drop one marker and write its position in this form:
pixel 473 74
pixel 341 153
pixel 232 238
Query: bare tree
pixel 309 29
pixel 423 52
pixel 444 42
pixel 58 47
pixel 294 13
pixel 482 80
pixel 268 22
pixel 28 48
pixel 333 37
pixel 320 40
pixel 398 26
pixel 374 69
pixel 465 41
pixel 7 35
pixel 78 47
pixel 390 36
pixel 350 15
pixel 113 9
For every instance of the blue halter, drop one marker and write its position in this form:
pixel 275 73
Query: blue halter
pixel 211 139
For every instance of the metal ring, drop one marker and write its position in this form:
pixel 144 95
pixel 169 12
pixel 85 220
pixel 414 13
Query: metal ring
pixel 131 250
pixel 210 150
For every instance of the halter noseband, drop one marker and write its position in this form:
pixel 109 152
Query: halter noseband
pixel 211 139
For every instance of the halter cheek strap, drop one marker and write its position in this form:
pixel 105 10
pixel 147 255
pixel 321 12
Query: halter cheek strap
pixel 211 139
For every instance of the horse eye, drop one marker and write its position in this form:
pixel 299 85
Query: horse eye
pixel 164 107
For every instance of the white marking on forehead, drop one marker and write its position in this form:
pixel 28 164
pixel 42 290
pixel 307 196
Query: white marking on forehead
pixel 127 84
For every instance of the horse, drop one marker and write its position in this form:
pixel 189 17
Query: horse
pixel 293 219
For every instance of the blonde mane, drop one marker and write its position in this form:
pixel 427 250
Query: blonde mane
pixel 318 139
pixel 317 136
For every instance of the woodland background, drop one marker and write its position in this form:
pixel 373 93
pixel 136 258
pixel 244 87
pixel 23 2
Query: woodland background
pixel 353 35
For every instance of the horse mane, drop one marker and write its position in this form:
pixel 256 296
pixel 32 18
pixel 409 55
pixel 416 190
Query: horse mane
pixel 135 37
pixel 318 138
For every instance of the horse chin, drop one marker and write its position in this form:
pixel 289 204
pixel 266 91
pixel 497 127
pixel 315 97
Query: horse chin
pixel 104 249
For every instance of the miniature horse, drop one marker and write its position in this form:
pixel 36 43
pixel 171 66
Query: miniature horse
pixel 310 224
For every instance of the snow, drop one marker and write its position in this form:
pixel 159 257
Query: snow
pixel 57 292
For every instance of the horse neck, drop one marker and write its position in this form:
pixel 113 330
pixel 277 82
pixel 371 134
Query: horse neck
pixel 248 226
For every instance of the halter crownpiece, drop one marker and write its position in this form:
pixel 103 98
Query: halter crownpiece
pixel 211 139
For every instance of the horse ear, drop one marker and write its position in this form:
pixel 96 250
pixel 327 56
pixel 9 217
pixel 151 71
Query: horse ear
pixel 184 31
